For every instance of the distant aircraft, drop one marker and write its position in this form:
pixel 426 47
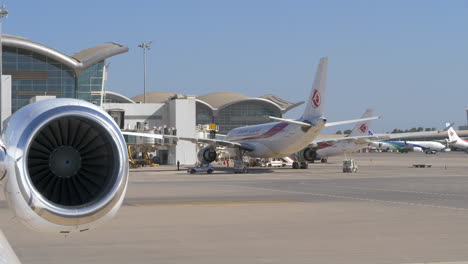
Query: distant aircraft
pixel 406 146
pixel 278 139
pixel 388 146
pixel 456 141
pixel 360 137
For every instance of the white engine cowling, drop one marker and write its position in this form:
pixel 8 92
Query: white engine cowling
pixel 417 149
pixel 66 165
pixel 207 155
pixel 308 154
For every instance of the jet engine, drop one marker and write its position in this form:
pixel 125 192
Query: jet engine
pixel 64 165
pixel 207 155
pixel 308 154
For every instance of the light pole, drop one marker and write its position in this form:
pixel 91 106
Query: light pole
pixel 145 46
pixel 3 13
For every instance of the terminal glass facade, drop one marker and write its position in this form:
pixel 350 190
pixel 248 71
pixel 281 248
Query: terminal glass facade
pixel 90 83
pixel 245 114
pixel 34 74
pixel 204 114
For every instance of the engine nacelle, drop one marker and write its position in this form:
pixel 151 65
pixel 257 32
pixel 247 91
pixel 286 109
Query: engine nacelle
pixel 308 154
pixel 417 149
pixel 207 155
pixel 66 165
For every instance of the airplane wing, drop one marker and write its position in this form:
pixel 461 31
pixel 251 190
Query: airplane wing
pixel 208 141
pixel 331 141
pixel 370 137
pixel 215 142
pixel 405 135
pixel 304 124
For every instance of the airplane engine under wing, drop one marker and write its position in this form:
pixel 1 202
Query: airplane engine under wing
pixel 308 154
pixel 207 155
pixel 66 165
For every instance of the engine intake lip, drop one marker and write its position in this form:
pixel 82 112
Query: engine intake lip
pixel 22 130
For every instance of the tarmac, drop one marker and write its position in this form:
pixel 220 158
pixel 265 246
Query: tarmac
pixel 387 212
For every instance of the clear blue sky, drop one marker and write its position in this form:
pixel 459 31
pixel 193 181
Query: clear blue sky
pixel 407 59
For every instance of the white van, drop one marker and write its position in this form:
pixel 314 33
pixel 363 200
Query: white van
pixel 275 162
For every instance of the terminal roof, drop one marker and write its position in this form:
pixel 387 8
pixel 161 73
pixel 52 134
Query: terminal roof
pixel 220 100
pixel 78 62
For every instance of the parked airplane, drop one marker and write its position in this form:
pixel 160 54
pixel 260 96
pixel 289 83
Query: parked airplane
pixel 278 139
pixel 406 146
pixel 456 141
pixel 321 149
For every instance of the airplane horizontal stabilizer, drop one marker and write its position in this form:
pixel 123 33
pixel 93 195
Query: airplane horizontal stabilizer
pixel 351 121
pixel 290 121
pixel 406 135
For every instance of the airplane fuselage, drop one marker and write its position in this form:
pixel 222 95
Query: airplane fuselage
pixel 275 140
pixel 460 143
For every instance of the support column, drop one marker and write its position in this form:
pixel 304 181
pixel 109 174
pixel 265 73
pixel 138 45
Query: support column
pixel 5 99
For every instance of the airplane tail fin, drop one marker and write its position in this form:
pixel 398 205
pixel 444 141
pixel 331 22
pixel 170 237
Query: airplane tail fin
pixel 314 107
pixel 362 128
pixel 452 135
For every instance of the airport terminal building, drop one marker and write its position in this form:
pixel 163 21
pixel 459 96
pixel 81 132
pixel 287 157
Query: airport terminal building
pixel 228 110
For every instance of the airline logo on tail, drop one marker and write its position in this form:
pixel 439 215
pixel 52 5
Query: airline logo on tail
pixel 316 98
pixel 451 133
pixel 363 128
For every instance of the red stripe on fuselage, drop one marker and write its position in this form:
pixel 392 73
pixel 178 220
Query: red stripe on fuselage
pixel 323 145
pixel 273 131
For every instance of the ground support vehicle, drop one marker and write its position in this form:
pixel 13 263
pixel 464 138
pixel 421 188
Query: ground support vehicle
pixel 349 166
pixel 240 167
pixel 204 167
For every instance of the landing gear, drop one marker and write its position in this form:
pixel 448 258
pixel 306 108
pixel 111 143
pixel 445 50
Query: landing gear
pixel 324 160
pixel 296 164
pixel 430 151
pixel 300 165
